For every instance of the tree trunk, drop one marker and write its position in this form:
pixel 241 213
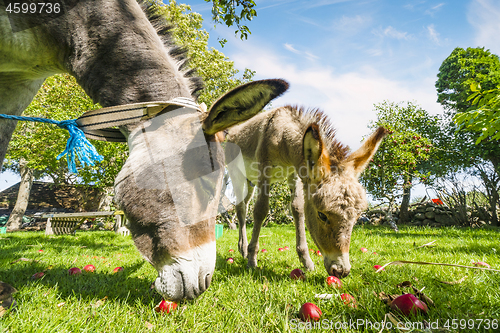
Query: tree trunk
pixel 16 217
pixel 404 215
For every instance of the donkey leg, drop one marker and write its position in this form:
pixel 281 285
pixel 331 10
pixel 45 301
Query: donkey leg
pixel 260 211
pixel 15 96
pixel 241 213
pixel 297 205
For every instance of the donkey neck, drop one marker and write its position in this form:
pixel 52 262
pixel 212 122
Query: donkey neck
pixel 113 64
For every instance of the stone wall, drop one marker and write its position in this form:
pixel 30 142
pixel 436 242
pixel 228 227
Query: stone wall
pixel 430 214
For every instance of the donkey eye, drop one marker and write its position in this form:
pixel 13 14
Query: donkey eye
pixel 322 217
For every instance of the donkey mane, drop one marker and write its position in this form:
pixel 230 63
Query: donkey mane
pixel 164 30
pixel 338 151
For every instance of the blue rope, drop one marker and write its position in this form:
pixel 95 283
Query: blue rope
pixel 77 145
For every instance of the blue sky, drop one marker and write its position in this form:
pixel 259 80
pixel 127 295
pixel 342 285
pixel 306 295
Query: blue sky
pixel 344 56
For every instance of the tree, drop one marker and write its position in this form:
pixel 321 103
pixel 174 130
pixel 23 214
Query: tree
pixel 483 116
pixel 403 156
pixel 60 98
pixel 463 69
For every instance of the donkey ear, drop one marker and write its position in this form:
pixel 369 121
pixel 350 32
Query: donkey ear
pixel 316 156
pixel 242 103
pixel 357 161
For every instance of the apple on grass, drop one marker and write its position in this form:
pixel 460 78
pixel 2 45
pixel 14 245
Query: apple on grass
pixel 481 264
pixel 166 306
pixel 281 249
pixel 408 304
pixel 297 274
pixel 310 311
pixel 117 269
pixel 287 248
pixel 349 300
pixel 231 250
pixel 229 260
pixel 377 267
pixel 263 251
pixel 89 268
pixel 37 276
pixel 363 249
pixel 334 282
pixel 74 271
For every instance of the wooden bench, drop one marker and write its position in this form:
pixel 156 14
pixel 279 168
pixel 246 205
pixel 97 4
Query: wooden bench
pixel 67 223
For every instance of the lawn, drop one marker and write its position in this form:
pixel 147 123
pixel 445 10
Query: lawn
pixel 238 300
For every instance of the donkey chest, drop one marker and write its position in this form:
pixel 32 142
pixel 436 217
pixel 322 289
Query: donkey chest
pixel 29 52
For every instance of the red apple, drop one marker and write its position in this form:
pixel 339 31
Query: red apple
pixel 349 300
pixel 297 274
pixel 166 306
pixel 263 251
pixel 117 269
pixel 375 253
pixel 334 282
pixel 37 276
pixel 376 267
pixel 408 304
pixel 40 250
pixel 482 263
pixel 89 268
pixel 231 250
pixel 229 260
pixel 363 249
pixel 281 249
pixel 74 271
pixel 318 253
pixel 311 250
pixel 287 248
pixel 309 311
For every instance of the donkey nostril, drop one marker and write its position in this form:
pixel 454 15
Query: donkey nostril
pixel 340 273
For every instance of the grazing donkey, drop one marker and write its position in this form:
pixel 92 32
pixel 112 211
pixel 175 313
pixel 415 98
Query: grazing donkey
pixel 290 143
pixel 169 186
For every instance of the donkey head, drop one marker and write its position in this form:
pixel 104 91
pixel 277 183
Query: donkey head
pixel 170 185
pixel 333 197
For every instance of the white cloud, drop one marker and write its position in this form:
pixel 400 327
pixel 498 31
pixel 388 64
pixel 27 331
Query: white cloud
pixel 433 10
pixel 347 97
pixel 351 23
pixel 484 16
pixel 290 47
pixel 433 34
pixel 306 54
pixel 391 32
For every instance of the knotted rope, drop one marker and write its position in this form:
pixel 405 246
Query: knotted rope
pixel 76 146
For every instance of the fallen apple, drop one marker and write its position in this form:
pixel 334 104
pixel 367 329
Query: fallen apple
pixel 377 267
pixel 363 249
pixel 89 268
pixel 334 281
pixel 263 251
pixel 318 253
pixel 287 248
pixel 74 271
pixel 231 250
pixel 40 250
pixel 408 304
pixel 37 275
pixel 310 311
pixel 166 306
pixel 229 260
pixel 375 253
pixel 482 263
pixel 349 300
pixel 297 274
pixel 117 269
pixel 281 249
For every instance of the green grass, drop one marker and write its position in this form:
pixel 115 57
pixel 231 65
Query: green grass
pixel 238 300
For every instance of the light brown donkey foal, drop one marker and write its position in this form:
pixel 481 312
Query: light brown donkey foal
pixel 300 146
